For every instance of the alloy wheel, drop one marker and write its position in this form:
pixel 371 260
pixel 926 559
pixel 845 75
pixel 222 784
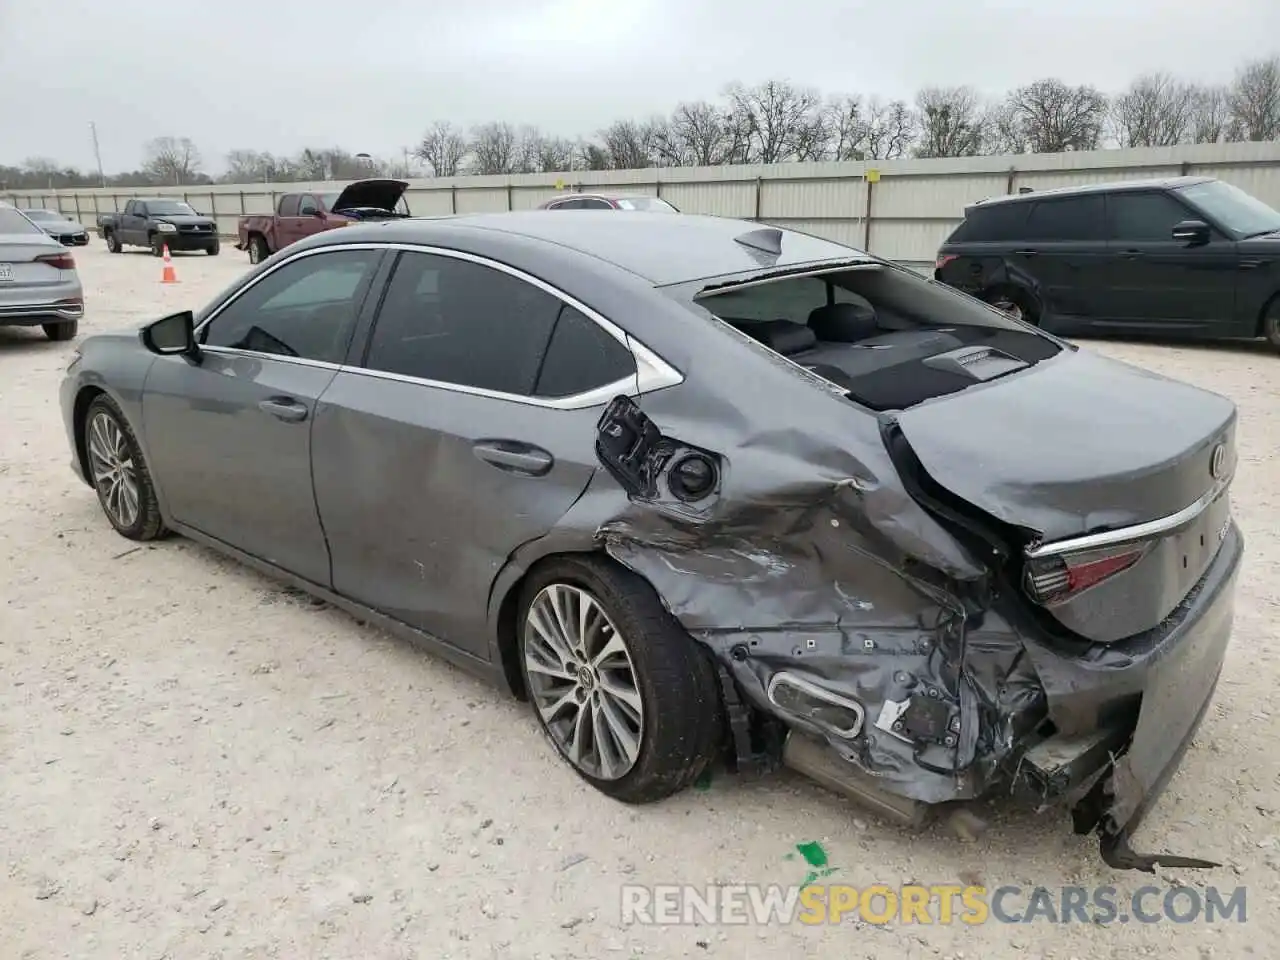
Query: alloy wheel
pixel 1008 306
pixel 114 474
pixel 583 682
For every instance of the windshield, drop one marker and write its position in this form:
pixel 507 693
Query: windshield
pixel 1241 213
pixel 646 204
pixel 169 208
pixel 11 221
pixel 43 214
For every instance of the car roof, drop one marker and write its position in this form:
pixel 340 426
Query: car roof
pixel 662 248
pixel 1111 186
pixel 603 195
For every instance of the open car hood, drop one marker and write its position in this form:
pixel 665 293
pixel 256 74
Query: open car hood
pixel 377 194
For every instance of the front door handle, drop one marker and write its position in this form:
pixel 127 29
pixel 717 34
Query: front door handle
pixel 515 456
pixel 1025 253
pixel 284 408
pixel 1131 254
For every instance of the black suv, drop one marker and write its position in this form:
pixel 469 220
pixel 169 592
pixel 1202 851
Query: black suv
pixel 1191 256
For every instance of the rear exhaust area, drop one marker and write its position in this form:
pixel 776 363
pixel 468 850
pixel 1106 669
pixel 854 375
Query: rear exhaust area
pixel 822 764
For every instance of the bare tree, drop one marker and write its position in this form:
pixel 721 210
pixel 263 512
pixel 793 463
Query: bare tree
pixel 172 160
pixel 697 135
pixel 494 148
pixel 630 145
pixel 556 155
pixel 1210 115
pixel 442 148
pixel 1255 100
pixel 775 120
pixel 847 126
pixel 1055 117
pixel 1156 111
pixel 1003 130
pixel 891 130
pixel 952 122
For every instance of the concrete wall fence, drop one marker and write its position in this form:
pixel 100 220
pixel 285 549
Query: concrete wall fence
pixel 898 209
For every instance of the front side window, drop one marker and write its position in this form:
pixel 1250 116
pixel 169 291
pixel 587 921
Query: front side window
pixel 305 309
pixel 458 322
pixel 647 204
pixel 1074 218
pixel 1144 217
pixel 307 207
pixel 1240 212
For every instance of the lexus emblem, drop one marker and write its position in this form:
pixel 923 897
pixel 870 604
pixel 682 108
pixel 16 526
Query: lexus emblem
pixel 1218 461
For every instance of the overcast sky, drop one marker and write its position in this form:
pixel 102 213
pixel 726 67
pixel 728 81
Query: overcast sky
pixel 369 76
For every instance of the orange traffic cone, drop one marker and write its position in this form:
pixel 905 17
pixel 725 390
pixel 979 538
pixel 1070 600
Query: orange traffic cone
pixel 170 275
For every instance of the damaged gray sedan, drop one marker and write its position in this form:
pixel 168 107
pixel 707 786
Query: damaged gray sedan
pixel 702 489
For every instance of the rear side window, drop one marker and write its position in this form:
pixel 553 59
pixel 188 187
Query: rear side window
pixel 582 356
pixel 1073 218
pixel 1000 221
pixel 1142 217
pixel 11 221
pixel 289 205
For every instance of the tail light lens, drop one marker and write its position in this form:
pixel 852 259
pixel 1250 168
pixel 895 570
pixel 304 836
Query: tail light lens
pixel 62 261
pixel 1057 579
pixel 943 260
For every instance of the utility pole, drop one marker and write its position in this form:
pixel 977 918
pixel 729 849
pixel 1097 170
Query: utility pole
pixel 93 131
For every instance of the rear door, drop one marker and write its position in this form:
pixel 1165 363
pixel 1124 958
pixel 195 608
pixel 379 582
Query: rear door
pixel 1156 282
pixel 1064 249
pixel 467 430
pixel 230 436
pixel 288 223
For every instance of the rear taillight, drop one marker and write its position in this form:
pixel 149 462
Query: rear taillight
pixel 1055 579
pixel 62 261
pixel 943 260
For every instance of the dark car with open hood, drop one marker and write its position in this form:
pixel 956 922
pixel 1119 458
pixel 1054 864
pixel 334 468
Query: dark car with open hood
pixel 701 490
pixel 303 214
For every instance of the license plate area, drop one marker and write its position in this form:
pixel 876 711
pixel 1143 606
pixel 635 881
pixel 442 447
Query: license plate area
pixel 6 272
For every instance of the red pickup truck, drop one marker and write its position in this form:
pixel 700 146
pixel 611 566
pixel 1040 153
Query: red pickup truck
pixel 300 215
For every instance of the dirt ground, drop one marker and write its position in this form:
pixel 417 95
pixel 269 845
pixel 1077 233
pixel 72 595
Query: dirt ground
pixel 195 763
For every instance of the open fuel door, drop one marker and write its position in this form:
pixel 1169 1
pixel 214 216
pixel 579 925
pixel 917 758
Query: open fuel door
pixel 649 465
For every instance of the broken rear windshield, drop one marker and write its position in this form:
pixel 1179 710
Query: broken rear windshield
pixel 887 337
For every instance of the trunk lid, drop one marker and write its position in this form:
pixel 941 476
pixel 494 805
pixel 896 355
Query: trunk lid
pixel 374 194
pixel 1117 476
pixel 19 267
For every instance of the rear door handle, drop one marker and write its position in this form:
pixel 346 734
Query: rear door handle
pixel 1025 253
pixel 284 408
pixel 1131 254
pixel 515 456
pixel 1250 264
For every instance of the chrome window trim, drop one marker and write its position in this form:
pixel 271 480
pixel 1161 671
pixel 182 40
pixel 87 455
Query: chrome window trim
pixel 652 371
pixel 1140 531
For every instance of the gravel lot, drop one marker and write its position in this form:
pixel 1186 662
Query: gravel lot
pixel 194 763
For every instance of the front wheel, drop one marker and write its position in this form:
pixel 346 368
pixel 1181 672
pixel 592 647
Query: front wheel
pixel 157 245
pixel 119 473
pixel 66 330
pixel 627 698
pixel 1271 322
pixel 213 250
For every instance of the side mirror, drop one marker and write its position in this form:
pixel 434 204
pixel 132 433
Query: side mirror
pixel 173 335
pixel 1191 232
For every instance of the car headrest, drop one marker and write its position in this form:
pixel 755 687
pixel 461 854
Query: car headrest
pixel 844 322
pixel 783 336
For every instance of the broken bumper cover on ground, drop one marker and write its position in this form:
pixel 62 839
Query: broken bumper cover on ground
pixel 920 688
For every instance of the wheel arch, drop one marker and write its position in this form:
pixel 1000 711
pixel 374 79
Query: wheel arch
pixel 1260 325
pixel 79 417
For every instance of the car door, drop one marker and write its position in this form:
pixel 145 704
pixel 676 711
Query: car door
pixel 1063 247
pixel 288 223
pixel 133 222
pixel 465 430
pixel 310 216
pixel 230 435
pixel 1156 282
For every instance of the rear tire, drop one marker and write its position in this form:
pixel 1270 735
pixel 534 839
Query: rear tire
pixel 632 645
pixel 61 331
pixel 258 249
pixel 1014 302
pixel 113 242
pixel 1271 322
pixel 119 473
